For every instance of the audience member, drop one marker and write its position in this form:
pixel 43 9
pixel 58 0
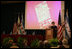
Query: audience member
pixel 47 44
pixel 60 45
pixel 65 43
pixel 25 43
pixel 41 45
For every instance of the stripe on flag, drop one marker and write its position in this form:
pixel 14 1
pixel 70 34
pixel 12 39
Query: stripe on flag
pixel 60 30
pixel 60 34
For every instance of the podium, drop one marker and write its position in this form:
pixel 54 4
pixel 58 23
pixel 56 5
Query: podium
pixel 49 34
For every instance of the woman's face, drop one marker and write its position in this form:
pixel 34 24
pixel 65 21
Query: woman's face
pixel 53 23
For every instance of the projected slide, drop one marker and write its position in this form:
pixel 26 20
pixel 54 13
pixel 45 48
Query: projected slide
pixel 40 14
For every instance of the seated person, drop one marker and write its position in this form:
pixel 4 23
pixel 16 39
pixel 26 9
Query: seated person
pixel 65 43
pixel 25 43
pixel 54 28
pixel 8 44
pixel 47 44
pixel 60 45
pixel 41 44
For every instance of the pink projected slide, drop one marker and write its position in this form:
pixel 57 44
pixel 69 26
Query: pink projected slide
pixel 40 14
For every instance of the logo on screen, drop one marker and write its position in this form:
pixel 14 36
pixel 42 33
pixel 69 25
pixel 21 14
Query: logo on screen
pixel 43 14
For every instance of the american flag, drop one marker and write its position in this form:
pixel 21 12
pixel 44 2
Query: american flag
pixel 60 33
pixel 18 27
pixel 67 26
pixel 15 28
pixel 22 29
pixel 22 25
pixel 60 29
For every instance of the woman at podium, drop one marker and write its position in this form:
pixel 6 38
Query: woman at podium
pixel 54 28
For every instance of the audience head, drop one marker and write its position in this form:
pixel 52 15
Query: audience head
pixel 65 41
pixel 25 42
pixel 46 41
pixel 41 45
pixel 47 44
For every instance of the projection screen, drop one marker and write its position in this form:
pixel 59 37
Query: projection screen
pixel 40 14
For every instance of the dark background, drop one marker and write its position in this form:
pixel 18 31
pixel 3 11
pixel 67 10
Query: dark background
pixel 68 6
pixel 9 14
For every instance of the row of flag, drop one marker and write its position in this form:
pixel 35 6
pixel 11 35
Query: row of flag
pixel 63 27
pixel 19 26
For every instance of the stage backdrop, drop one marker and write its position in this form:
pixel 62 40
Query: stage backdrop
pixel 40 14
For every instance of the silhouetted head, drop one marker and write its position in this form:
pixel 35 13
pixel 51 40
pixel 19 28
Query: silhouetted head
pixel 53 23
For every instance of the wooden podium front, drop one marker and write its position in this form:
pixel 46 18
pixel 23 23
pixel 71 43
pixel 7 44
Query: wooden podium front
pixel 49 34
